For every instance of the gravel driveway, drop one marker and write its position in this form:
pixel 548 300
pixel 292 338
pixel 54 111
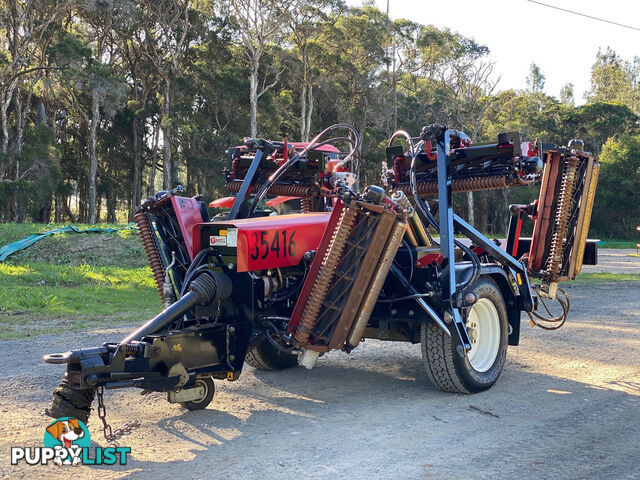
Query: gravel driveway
pixel 613 260
pixel 567 406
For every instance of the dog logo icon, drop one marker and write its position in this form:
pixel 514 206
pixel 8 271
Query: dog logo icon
pixel 67 436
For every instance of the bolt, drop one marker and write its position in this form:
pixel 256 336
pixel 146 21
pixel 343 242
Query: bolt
pixel 470 298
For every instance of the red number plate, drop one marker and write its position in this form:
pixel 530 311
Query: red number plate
pixel 274 248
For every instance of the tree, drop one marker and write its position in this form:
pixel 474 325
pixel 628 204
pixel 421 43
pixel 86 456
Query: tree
pixel 25 30
pixel 143 81
pixel 619 186
pixel 169 29
pixel 566 94
pixel 615 80
pixel 258 24
pixel 468 84
pixel 307 21
pixel 535 79
pixel 85 76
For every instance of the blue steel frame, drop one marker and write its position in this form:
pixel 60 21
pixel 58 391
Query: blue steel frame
pixel 449 224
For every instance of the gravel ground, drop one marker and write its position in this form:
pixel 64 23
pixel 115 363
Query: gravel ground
pixel 615 260
pixel 566 406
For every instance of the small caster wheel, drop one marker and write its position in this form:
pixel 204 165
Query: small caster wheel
pixel 209 390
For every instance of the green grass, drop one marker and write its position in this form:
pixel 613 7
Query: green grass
pixel 39 297
pixel 11 232
pixel 106 249
pixel 617 244
pixel 591 278
pixel 71 281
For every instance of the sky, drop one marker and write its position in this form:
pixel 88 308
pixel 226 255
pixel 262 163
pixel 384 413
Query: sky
pixel 519 32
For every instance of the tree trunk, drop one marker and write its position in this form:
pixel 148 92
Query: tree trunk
pixel 18 217
pixel 93 157
pixel 154 161
pixel 111 206
pixel 67 210
pixel 306 100
pixel 5 101
pixel 307 133
pixel 5 123
pixel 166 135
pixel 470 209
pixel 98 208
pixel 303 108
pixel 395 92
pixel 136 194
pixel 44 213
pixel 58 206
pixel 253 97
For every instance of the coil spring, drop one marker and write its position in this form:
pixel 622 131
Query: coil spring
pixel 150 249
pixel 284 190
pixel 459 185
pixel 562 216
pixel 321 284
pixel 305 204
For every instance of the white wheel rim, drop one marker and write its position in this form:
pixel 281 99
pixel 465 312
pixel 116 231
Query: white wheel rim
pixel 206 390
pixel 483 325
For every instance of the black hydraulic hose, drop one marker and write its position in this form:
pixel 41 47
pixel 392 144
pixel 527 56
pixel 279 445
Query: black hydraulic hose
pixel 412 267
pixel 407 297
pixel 296 290
pixel 193 268
pixel 194 264
pixel 272 341
pixel 333 140
pixel 206 288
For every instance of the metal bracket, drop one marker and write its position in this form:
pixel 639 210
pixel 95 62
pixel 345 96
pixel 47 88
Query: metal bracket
pixel 186 395
pixel 178 370
pixel 240 206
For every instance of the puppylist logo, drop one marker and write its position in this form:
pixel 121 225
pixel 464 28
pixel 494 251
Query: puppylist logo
pixel 66 442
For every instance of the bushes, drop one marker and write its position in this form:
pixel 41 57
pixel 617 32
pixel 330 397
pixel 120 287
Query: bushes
pixel 617 205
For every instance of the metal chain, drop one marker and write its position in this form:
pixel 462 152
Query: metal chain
pixel 109 435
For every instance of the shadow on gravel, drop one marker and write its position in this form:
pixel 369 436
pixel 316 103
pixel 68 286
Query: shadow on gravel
pixel 356 422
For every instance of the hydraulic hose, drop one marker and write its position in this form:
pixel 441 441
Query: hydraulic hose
pixel 207 288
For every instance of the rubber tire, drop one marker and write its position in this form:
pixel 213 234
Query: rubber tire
pixel 446 369
pixel 202 404
pixel 70 402
pixel 265 356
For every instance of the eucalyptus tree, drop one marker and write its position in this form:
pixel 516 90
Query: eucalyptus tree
pixel 25 31
pixel 93 90
pixel 259 24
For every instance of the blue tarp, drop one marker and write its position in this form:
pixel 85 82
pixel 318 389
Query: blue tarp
pixel 31 239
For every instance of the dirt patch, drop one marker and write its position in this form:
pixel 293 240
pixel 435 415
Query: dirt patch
pixel 566 406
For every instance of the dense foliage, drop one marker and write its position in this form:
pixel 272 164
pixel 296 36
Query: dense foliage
pixel 102 102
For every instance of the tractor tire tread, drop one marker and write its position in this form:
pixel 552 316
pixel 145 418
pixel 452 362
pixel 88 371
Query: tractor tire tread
pixel 438 356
